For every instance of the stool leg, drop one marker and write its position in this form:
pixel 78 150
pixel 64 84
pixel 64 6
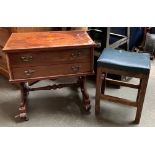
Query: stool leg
pixel 140 98
pixel 103 84
pixel 98 90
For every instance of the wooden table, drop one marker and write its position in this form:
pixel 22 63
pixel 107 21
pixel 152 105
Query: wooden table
pixel 35 56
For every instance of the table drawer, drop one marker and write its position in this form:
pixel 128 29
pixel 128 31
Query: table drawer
pixel 53 70
pixel 49 57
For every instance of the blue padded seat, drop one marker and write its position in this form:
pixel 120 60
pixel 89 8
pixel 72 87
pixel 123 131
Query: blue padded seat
pixel 123 60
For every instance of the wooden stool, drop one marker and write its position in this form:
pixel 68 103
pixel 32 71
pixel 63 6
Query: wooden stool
pixel 122 63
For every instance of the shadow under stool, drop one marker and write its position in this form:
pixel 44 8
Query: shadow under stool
pixel 124 63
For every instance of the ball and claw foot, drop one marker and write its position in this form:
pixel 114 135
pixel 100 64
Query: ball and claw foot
pixel 22 116
pixel 87 107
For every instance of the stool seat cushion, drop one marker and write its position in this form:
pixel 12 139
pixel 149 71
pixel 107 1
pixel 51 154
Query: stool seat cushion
pixel 124 60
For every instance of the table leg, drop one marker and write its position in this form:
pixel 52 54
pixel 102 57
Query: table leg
pixel 86 101
pixel 23 107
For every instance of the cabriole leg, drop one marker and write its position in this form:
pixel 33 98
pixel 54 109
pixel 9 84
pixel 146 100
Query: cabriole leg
pixel 86 101
pixel 22 106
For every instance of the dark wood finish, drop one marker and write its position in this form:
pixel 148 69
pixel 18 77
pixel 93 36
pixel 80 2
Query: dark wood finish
pixel 54 86
pixel 115 99
pixel 36 41
pixel 23 106
pixel 49 58
pixel 3 68
pixel 122 72
pixel 55 70
pixel 49 55
pixel 121 83
pixel 141 97
pixel 4 35
pixel 99 80
pixel 86 101
pixel 102 71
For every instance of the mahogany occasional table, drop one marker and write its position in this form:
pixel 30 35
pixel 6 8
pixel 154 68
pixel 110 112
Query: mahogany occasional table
pixel 35 56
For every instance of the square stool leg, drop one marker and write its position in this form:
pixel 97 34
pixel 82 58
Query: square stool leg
pixel 98 89
pixel 140 98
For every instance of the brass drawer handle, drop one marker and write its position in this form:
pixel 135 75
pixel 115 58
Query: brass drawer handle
pixel 26 58
pixel 75 68
pixel 29 72
pixel 75 54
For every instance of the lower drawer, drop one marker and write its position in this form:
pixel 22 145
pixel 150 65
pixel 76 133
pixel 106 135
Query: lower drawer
pixel 53 70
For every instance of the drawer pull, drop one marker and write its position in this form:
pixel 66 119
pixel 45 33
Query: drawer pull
pixel 26 58
pixel 29 72
pixel 75 54
pixel 75 68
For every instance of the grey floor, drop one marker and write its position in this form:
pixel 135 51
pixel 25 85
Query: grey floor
pixel 61 108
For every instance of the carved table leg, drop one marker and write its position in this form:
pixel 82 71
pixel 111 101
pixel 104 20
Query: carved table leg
pixel 22 107
pixel 86 101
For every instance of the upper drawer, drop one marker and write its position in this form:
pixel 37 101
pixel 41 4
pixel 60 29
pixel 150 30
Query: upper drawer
pixel 43 58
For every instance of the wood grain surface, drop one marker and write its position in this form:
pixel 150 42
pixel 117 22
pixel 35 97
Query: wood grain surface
pixel 50 39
